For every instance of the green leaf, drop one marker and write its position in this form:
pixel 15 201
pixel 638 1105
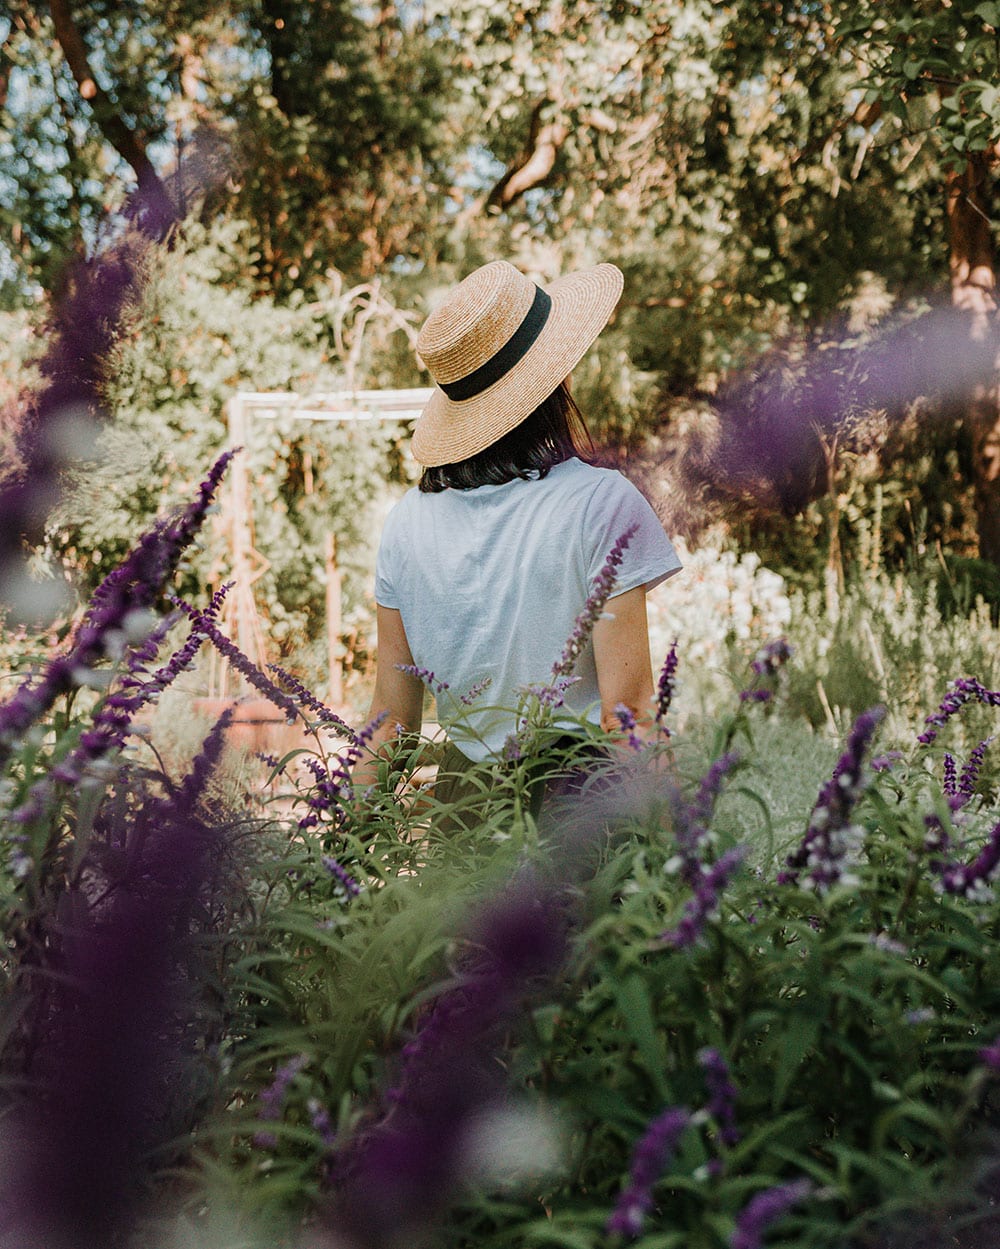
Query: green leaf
pixel 799 1036
pixel 636 1009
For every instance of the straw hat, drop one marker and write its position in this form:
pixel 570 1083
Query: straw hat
pixel 498 346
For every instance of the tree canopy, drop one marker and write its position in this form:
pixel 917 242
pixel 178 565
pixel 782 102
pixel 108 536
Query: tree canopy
pixel 755 168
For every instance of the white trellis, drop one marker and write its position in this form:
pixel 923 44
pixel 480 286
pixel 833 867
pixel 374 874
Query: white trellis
pixel 248 564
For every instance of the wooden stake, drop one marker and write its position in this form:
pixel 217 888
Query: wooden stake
pixel 333 622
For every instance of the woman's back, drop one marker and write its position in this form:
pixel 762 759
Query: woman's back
pixel 489 582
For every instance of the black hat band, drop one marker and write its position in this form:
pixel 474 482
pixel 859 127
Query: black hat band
pixel 513 350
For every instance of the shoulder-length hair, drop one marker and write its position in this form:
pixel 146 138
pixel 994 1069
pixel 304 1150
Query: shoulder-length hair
pixel 554 432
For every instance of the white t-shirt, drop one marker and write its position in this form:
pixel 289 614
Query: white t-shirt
pixel 489 583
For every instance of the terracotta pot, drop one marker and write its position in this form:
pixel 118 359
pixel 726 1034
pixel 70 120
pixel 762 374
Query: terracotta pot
pixel 257 725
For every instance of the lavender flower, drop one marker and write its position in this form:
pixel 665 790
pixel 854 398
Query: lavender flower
pixel 691 819
pixel 766 663
pixel 886 762
pixel 704 905
pixel 950 775
pixel 426 676
pixel 474 691
pixel 626 719
pixel 551 695
pixel 966 786
pixel 989 1056
pixel 722 1095
pixel 960 691
pixel 344 879
pixel 127 592
pixel 593 608
pixel 81 329
pixel 113 717
pixel 307 698
pixel 319 1117
pixel 649 1160
pixel 512 752
pixel 972 880
pixel 399 1174
pixel 107 1082
pixel 771 657
pixel 831 839
pixel 764 1209
pixel 666 686
pixel 937 839
pixel 242 663
pixel 334 788
pixel 272 1099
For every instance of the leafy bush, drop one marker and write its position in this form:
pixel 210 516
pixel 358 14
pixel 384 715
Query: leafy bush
pixel 659 1006
pixel 887 640
pixel 191 340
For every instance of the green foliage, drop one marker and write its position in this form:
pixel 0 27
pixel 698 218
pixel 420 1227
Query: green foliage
pixel 195 338
pixel 934 68
pixel 851 1019
pixel 20 346
pixel 851 1016
pixel 888 639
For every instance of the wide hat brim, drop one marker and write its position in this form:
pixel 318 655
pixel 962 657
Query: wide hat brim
pixel 450 430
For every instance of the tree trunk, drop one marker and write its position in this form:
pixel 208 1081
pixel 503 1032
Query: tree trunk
pixel 129 144
pixel 533 165
pixel 972 262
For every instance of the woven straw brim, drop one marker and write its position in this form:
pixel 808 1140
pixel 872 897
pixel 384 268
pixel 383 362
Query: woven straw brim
pixel 448 431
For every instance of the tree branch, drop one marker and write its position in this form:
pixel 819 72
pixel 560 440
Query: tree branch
pixel 129 145
pixel 533 165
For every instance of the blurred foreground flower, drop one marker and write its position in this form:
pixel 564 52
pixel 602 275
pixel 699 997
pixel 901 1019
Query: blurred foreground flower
pixel 399 1175
pixel 106 1032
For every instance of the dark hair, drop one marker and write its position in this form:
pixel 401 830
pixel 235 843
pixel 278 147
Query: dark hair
pixel 554 432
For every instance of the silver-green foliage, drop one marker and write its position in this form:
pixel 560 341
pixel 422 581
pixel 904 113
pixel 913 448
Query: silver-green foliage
pixel 196 337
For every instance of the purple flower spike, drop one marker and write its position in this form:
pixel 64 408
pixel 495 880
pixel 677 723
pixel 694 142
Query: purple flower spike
pixel 771 657
pixel 691 819
pixel 722 1095
pixel 604 584
pixel 346 881
pixel 831 841
pixel 666 686
pixel 627 720
pixel 426 676
pixel 319 1117
pixel 397 1176
pixel 766 663
pixel 764 1209
pixel 705 903
pixel 122 600
pixel 989 1056
pixel 973 880
pixel 959 693
pixel 474 691
pixel 272 1099
pixel 334 789
pixel 206 625
pixel 966 786
pixel 308 699
pixel 649 1160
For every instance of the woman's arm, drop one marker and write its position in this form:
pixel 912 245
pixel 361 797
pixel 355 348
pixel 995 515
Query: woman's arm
pixel 621 653
pixel 399 694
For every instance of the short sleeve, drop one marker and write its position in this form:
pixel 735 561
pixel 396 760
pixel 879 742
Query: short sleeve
pixel 615 506
pixel 386 563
